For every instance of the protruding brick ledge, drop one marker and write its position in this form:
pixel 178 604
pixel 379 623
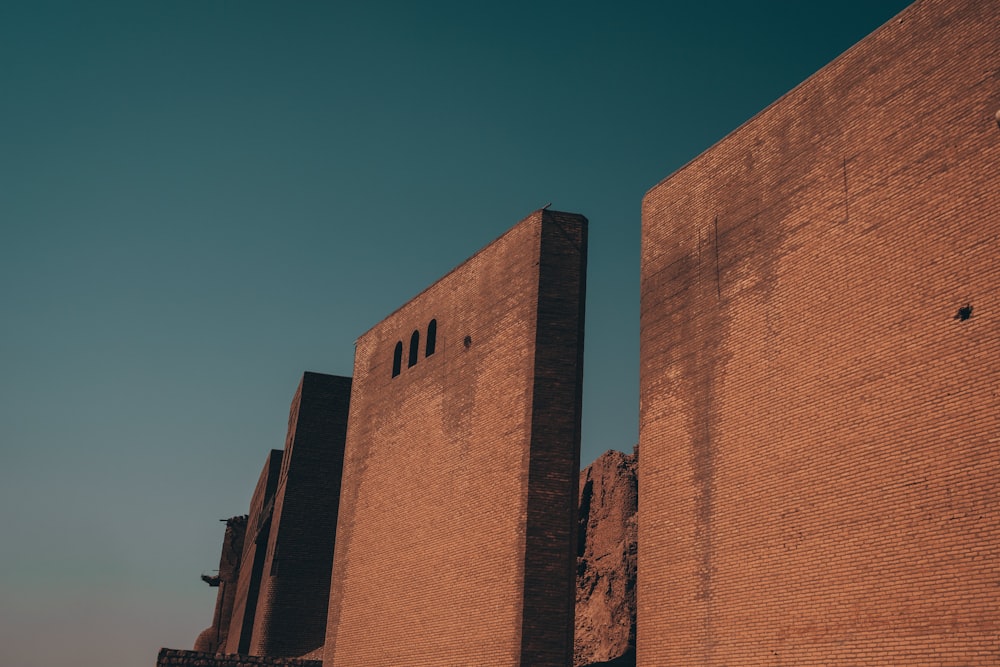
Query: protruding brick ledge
pixel 174 658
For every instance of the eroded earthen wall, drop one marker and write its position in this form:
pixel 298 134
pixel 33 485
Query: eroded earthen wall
pixel 819 367
pixel 247 593
pixel 456 536
pixel 295 583
pixel 214 638
pixel 606 560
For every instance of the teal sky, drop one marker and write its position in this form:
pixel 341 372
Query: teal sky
pixel 201 200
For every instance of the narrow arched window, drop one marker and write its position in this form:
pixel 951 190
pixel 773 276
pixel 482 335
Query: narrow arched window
pixel 414 348
pixel 432 330
pixel 397 359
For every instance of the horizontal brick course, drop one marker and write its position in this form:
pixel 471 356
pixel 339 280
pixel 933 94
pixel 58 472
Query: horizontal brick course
pixel 174 658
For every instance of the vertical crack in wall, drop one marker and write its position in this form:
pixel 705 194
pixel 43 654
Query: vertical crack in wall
pixel 847 199
pixel 718 278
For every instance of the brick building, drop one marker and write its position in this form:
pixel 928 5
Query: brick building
pixel 820 323
pixel 456 538
pixel 819 411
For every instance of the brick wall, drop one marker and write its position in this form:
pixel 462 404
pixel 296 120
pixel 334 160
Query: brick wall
pixel 819 420
pixel 294 589
pixel 247 592
pixel 456 536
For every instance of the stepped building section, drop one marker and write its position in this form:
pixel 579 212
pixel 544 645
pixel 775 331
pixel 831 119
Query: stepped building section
pixel 819 378
pixel 274 575
pixel 290 620
pixel 456 541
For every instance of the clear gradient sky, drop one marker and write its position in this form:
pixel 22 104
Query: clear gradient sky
pixel 200 200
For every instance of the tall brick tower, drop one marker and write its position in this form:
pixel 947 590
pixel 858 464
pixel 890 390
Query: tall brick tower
pixel 291 613
pixel 820 386
pixel 456 539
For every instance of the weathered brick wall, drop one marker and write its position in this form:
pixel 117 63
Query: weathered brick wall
pixel 214 637
pixel 456 536
pixel 254 550
pixel 819 424
pixel 294 591
pixel 173 658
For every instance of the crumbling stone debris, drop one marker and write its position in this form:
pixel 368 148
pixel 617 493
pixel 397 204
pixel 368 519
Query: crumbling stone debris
pixel 606 561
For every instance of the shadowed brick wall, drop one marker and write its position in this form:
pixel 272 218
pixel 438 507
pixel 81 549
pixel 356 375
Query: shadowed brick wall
pixel 456 540
pixel 295 584
pixel 254 551
pixel 820 335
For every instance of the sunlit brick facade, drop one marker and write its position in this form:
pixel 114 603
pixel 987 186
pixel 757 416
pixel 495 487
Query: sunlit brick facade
pixel 820 387
pixel 456 540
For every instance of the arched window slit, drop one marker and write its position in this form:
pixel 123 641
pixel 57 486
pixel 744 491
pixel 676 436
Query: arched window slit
pixel 397 359
pixel 414 348
pixel 432 329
